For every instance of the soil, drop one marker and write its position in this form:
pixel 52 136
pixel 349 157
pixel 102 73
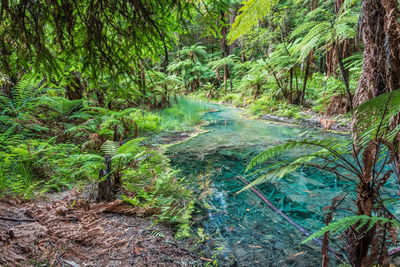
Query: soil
pixel 70 231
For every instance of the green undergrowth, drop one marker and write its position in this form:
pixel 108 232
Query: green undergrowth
pixel 320 90
pixel 265 104
pixel 183 114
pixel 50 144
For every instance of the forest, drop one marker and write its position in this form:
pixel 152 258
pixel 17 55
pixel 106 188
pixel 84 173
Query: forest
pixel 199 133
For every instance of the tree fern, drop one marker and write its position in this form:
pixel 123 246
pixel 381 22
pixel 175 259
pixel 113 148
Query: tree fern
pixel 22 91
pixel 322 33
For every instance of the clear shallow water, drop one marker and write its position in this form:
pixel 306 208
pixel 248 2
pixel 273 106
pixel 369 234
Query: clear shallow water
pixel 243 230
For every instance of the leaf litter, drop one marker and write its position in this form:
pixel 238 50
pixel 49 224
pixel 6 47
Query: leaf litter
pixel 74 232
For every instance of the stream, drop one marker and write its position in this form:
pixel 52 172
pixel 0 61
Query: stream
pixel 242 230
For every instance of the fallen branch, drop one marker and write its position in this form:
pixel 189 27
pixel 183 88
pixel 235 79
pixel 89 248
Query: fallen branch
pixel 16 220
pixel 205 259
pixel 394 251
pixel 287 218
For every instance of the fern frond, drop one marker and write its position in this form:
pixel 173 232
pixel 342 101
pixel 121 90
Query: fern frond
pixel 338 145
pixel 250 14
pixel 373 118
pixel 302 28
pixel 158 233
pixel 110 148
pixel 131 146
pixel 284 167
pixel 347 222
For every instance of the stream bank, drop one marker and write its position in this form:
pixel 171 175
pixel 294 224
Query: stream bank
pixel 315 121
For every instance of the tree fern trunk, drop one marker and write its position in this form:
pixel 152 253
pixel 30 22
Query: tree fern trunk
pixel 232 17
pixel 74 90
pixel 242 56
pixel 380 74
pixel 334 53
pixel 381 35
pixel 142 78
pixel 217 71
pixel 297 99
pixel 105 188
pixel 305 80
pixel 225 77
pixel 290 98
pixel 224 32
pixel 344 74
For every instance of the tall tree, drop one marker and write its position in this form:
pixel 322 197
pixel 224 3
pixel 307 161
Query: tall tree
pixel 381 35
pixel 380 74
pixel 97 39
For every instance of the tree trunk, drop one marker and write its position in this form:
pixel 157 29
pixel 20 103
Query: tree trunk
pixel 296 79
pixel 224 32
pixel 232 17
pixel 225 77
pixel 321 65
pixel 314 4
pixel 218 77
pixel 305 80
pixel 105 188
pixel 224 47
pixel 381 35
pixel 344 74
pixel 142 78
pixel 380 74
pixel 74 90
pixel 100 98
pixel 332 55
pixel 242 56
pixel 290 98
pixel 331 60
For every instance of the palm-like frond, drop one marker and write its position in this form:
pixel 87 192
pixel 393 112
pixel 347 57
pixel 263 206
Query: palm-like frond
pixel 272 153
pixel 198 50
pixel 110 148
pixel 374 118
pixel 131 146
pixel 219 63
pixel 354 62
pixel 329 150
pixel 250 14
pixel 321 34
pixel 59 106
pixel 347 222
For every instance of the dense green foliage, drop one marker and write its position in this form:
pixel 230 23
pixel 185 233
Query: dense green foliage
pixel 85 86
pixel 290 59
pixel 49 143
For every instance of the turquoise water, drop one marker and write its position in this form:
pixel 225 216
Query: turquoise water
pixel 243 230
